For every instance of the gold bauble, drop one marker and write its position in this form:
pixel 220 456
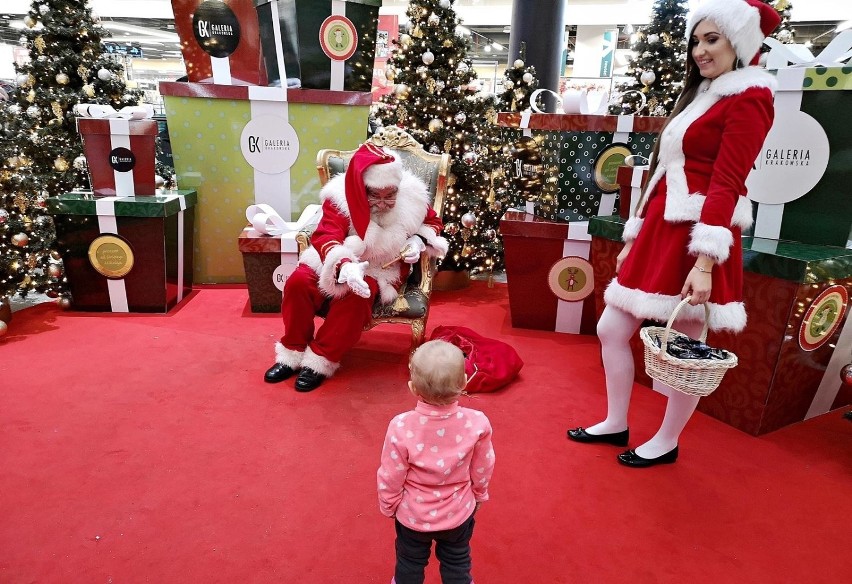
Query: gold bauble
pixel 402 91
pixel 39 43
pixel 448 43
pixel 83 72
pixel 405 40
pixel 89 90
pixel 31 95
pixel 60 164
pixel 467 250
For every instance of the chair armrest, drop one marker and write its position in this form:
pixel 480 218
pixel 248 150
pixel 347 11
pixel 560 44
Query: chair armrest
pixel 303 237
pixel 428 266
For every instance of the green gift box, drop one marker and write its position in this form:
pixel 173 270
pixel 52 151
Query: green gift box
pixel 567 163
pixel 801 178
pixel 126 254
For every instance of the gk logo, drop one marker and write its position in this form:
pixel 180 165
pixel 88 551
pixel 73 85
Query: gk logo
pixel 253 144
pixel 203 28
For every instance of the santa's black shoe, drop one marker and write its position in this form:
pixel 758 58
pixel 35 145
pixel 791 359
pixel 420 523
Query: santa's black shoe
pixel 278 372
pixel 308 380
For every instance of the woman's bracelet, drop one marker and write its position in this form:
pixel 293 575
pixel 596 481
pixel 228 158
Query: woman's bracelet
pixel 702 270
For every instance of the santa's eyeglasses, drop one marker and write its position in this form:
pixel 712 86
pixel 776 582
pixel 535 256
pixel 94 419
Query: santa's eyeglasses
pixel 386 195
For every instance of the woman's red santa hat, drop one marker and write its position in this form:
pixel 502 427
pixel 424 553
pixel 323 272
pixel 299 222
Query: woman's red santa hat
pixel 745 23
pixel 372 167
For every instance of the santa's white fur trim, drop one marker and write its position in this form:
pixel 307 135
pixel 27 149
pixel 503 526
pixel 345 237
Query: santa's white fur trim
pixel 737 20
pixel 318 363
pixel 288 357
pixel 632 228
pixel 711 240
pixel 379 176
pixel 659 307
pixel 328 272
pixel 437 246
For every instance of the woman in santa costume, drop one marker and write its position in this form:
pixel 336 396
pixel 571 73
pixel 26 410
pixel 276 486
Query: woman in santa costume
pixel 374 213
pixel 685 238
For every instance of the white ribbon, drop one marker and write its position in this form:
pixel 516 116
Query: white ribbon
pixel 108 225
pixel 264 219
pixel 577 101
pixel 100 111
pixel 836 54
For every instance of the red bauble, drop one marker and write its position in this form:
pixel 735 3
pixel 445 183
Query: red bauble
pixel 846 374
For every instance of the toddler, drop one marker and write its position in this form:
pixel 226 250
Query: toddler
pixel 436 464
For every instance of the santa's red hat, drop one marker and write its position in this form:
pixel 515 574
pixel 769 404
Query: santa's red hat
pixel 373 167
pixel 745 23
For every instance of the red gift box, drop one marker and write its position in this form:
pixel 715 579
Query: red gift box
pixel 121 155
pixel 220 41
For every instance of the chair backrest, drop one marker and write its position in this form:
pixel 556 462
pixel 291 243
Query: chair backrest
pixel 433 169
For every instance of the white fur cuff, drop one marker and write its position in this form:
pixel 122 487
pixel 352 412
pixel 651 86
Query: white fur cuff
pixel 328 272
pixel 437 245
pixel 318 363
pixel 631 228
pixel 711 240
pixel 288 357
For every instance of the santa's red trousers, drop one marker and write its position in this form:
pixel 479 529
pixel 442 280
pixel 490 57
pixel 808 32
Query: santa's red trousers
pixel 343 325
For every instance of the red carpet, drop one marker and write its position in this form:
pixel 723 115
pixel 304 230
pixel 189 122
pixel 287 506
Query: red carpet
pixel 146 448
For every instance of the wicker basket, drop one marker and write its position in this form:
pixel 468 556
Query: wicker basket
pixel 691 376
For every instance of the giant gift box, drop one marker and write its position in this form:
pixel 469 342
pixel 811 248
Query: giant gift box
pixel 321 44
pixel 126 254
pixel 802 176
pixel 798 337
pixel 239 146
pixel 576 158
pixel 220 41
pixel 121 155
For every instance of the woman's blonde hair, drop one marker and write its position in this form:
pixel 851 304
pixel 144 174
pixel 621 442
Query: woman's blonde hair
pixel 437 372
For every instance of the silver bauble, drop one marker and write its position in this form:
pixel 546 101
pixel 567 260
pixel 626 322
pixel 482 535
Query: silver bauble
pixel 23 80
pixel 470 158
pixel 104 74
pixel 518 64
pixel 462 67
pixel 62 79
pixel 444 3
pixel 433 19
pixel 653 38
pixel 4 216
pixel 80 162
pixel 451 229
pixel 527 78
pixel 159 181
pixel 508 85
pixel 647 77
pixel 428 57
pixel 44 9
pixel 33 111
pixel 468 220
pixel 460 117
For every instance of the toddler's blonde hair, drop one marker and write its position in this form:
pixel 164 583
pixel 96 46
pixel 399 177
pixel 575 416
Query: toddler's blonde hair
pixel 437 372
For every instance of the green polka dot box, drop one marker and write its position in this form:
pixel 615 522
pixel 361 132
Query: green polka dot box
pixel 800 181
pixel 563 166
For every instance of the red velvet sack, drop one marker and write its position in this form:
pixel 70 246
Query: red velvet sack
pixel 489 364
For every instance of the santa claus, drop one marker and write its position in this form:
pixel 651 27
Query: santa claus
pixel 373 214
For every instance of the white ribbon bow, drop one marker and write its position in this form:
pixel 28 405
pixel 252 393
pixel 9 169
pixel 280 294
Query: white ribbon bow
pixel 836 54
pixel 576 101
pixel 100 111
pixel 264 219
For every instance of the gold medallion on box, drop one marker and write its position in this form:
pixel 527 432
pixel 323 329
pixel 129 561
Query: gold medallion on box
pixel 111 256
pixel 823 317
pixel 606 166
pixel 571 279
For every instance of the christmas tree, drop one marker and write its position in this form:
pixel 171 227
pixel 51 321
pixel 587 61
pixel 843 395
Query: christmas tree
pixel 435 99
pixel 658 68
pixel 41 151
pixel 519 81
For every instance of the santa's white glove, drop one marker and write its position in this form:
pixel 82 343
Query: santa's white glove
pixel 414 246
pixel 352 274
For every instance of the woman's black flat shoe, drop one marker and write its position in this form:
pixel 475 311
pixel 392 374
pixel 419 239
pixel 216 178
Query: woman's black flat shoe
pixel 630 458
pixel 616 439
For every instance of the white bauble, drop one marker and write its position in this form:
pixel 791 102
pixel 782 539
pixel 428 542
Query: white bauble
pixel 519 64
pixel 462 67
pixel 468 220
pixel 80 162
pixel 23 80
pixel 33 111
pixel 104 74
pixel 527 78
pixel 653 38
pixel 444 4
pixel 647 77
pixel 428 57
pixel 508 85
pixel 62 78
pixel 433 19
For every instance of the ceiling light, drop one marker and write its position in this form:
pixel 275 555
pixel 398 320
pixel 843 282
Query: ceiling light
pixel 498 46
pixel 487 48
